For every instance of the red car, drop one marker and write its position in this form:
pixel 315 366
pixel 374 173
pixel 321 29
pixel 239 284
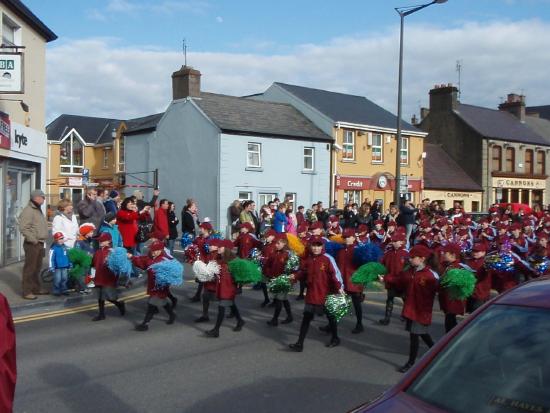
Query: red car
pixel 497 360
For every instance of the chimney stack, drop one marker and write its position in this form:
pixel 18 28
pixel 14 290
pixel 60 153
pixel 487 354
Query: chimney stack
pixel 443 98
pixel 424 113
pixel 186 82
pixel 515 104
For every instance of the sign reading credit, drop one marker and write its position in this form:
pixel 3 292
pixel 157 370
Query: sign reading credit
pixel 11 73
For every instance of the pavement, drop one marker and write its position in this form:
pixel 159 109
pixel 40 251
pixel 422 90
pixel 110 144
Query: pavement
pixel 67 363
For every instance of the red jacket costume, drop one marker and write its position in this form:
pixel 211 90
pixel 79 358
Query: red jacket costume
pixel 245 243
pixel 227 288
pixel 104 277
pixel 160 223
pixel 421 289
pixel 320 278
pixel 377 236
pixel 144 262
pixel 8 365
pixel 211 286
pixel 394 261
pixel 275 263
pixel 267 250
pixel 201 242
pixel 482 290
pixel 447 305
pixel 344 259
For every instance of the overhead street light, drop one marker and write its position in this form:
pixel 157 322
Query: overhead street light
pixel 403 12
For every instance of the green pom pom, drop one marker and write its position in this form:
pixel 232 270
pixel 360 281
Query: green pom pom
pixel 292 264
pixel 245 271
pixel 368 273
pixel 338 305
pixel 459 283
pixel 81 262
pixel 280 284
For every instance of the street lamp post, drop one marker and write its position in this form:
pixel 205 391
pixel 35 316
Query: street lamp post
pixel 403 12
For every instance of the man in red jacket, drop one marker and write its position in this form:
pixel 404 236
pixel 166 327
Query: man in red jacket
pixel 422 285
pixel 8 367
pixel 321 280
pixel 160 223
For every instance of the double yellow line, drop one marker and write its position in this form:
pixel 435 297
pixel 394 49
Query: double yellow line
pixel 81 309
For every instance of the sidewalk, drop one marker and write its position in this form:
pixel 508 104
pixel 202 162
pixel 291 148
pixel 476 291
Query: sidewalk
pixel 10 286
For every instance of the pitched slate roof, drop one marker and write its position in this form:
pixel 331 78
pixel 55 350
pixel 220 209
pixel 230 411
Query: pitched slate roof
pixel 540 126
pixel 341 107
pixel 543 111
pixel 442 172
pixel 244 116
pixel 497 124
pixel 26 14
pixel 93 130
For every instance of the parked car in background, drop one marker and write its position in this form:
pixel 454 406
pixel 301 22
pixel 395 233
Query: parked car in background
pixel 497 360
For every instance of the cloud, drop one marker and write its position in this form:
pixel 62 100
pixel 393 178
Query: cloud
pixel 101 78
pixel 219 19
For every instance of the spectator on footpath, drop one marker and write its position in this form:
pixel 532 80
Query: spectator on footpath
pixel 8 365
pixel 234 213
pixel 173 222
pixel 190 218
pixel 141 204
pixel 90 210
pixel 34 228
pixel 160 222
pixel 127 220
pixel 111 204
pixel 65 222
pixel 407 214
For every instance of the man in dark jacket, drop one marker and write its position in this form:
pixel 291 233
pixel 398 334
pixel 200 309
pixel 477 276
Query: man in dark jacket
pixel 189 218
pixel 90 210
pixel 407 217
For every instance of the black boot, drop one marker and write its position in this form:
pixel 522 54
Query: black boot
pixel 173 299
pixel 302 289
pixel 121 306
pixel 357 299
pixel 389 310
pixel 334 341
pixel 426 338
pixel 450 322
pixel 151 311
pixel 274 322
pixel 289 319
pixel 215 332
pixel 266 296
pixel 413 353
pixel 171 315
pixel 205 306
pixel 101 314
pixel 197 297
pixel 299 345
pixel 240 321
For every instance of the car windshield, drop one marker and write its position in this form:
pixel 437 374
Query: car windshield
pixel 499 363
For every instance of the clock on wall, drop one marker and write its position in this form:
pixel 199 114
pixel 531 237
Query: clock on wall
pixel 382 181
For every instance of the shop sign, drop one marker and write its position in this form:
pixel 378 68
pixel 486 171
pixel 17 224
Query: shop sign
pixel 75 181
pixel 5 131
pixel 27 140
pixel 11 73
pixel 353 183
pixel 519 183
pixel 458 195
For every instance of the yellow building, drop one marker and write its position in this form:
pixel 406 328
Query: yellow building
pixel 364 154
pixel 83 151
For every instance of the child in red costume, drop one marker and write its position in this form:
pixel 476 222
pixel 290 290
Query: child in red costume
pixel 451 308
pixel 482 290
pixel 201 241
pixel 422 284
pixel 268 248
pixel 345 262
pixel 210 288
pixel 227 288
pixel 394 259
pixel 321 280
pixel 245 242
pixel 158 296
pixel 275 265
pixel 104 279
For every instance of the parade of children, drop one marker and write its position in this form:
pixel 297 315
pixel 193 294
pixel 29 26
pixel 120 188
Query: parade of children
pixel 330 260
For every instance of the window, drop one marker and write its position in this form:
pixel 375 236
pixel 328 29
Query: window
pixel 105 158
pixel 510 160
pixel 290 200
pixel 309 159
pixel 497 158
pixel 348 147
pixel 352 197
pixel 376 147
pixel 541 163
pixel 245 196
pixel 254 159
pixel 264 199
pixel 529 161
pixel 74 194
pixel 72 155
pixel 404 151
pixel 9 31
pixel 121 154
pixel 475 206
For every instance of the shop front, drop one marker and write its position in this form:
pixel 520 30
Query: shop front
pixel 471 201
pixel 380 187
pixel 23 154
pixel 519 190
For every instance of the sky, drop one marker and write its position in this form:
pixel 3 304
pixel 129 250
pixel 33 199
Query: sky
pixel 114 58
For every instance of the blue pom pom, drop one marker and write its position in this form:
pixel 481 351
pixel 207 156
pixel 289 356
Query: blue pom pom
pixel 332 248
pixel 186 239
pixel 168 272
pixel 364 253
pixel 216 235
pixel 118 261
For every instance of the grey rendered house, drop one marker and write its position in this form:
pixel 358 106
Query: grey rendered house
pixel 217 149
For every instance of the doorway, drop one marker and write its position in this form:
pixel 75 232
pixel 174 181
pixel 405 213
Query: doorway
pixel 19 184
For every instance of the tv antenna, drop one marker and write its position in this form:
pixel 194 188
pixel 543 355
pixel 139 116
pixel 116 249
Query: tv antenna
pixel 459 71
pixel 184 50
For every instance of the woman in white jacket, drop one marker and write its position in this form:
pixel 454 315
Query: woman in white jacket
pixel 65 222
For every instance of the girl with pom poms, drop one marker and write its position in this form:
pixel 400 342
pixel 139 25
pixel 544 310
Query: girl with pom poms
pixel 274 266
pixel 227 288
pixel 450 307
pixel 210 288
pixel 205 230
pixel 104 279
pixel 268 248
pixel 158 295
